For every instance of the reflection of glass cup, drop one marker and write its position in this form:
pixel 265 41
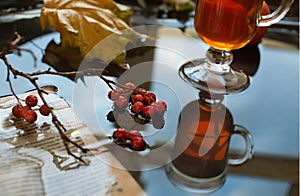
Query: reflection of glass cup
pixel 200 154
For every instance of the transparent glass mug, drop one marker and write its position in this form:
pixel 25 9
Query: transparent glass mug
pixel 226 25
pixel 200 154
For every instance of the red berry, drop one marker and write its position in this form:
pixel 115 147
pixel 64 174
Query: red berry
pixel 44 110
pixel 163 104
pixel 129 87
pixel 25 109
pixel 149 98
pixel 147 111
pixel 121 103
pixel 159 108
pixel 137 97
pixel 31 100
pixel 30 116
pixel 119 90
pixel 141 91
pixel 138 143
pixel 134 133
pixel 17 111
pixel 112 95
pixel 137 107
pixel 120 134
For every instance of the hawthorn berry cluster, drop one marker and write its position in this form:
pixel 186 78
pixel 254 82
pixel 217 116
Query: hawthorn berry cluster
pixel 139 102
pixel 26 112
pixel 132 139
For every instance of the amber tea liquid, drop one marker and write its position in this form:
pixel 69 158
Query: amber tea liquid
pixel 226 24
pixel 213 130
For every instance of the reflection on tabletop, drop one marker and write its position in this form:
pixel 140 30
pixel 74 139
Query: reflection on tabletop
pixel 268 109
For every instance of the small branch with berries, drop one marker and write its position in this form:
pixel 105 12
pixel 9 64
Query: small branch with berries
pixel 30 116
pixel 139 102
pixel 26 112
pixel 143 107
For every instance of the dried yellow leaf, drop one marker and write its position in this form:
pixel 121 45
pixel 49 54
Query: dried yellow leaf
pixel 84 23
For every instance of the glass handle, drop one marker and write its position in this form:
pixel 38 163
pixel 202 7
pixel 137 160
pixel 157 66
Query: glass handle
pixel 277 15
pixel 242 131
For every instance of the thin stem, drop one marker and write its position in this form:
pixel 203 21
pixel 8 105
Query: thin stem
pixel 219 60
pixel 11 86
pixel 33 77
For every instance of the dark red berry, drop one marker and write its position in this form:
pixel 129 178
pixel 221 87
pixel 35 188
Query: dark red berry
pixel 17 111
pixel 31 100
pixel 149 97
pixel 25 109
pixel 163 104
pixel 138 143
pixel 44 110
pixel 141 91
pixel 119 90
pixel 121 103
pixel 120 134
pixel 134 133
pixel 129 87
pixel 30 116
pixel 137 107
pixel 147 111
pixel 112 95
pixel 137 97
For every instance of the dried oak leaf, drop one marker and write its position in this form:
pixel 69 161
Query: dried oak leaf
pixel 84 23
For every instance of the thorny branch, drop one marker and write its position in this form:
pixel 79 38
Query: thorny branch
pixel 33 77
pixel 88 72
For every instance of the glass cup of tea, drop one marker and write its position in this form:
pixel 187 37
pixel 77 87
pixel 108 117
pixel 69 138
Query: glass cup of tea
pixel 226 25
pixel 200 153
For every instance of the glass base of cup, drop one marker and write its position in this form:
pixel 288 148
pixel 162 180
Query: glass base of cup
pixel 194 185
pixel 201 76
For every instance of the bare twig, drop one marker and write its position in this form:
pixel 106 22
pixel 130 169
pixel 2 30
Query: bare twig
pixel 61 129
pixel 33 77
pixel 88 72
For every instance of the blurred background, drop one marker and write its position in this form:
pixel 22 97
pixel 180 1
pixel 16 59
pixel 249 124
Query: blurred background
pixel 159 12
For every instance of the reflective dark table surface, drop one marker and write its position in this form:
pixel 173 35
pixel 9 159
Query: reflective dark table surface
pixel 269 108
